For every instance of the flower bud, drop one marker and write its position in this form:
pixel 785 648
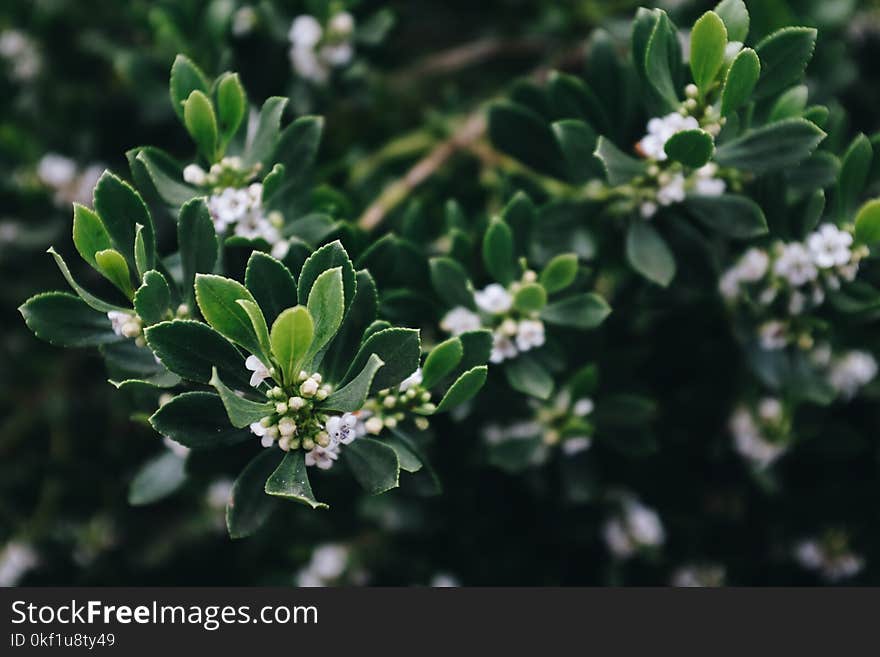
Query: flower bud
pixel 281 408
pixel 374 425
pixel 296 403
pixel 308 444
pixel 286 427
pixel 308 388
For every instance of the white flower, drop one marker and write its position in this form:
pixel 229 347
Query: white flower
pixel 748 441
pixel 830 246
pixel 659 132
pixel 329 561
pixel 305 31
pixel 728 285
pixel 244 20
pixel 770 409
pixel 194 174
pixel 796 303
pixel 444 581
pixel 413 379
pixel 336 54
pixel 732 49
pixel 795 264
pixel 705 182
pixel 809 554
pixel 753 265
pixel 374 425
pixel 583 407
pixel 306 63
pixel 648 209
pixel 308 388
pixel 530 334
pixel 772 335
pixel 672 191
pixel 323 457
pixel 459 320
pixel 342 24
pixel 644 524
pixel 16 559
pixel 575 445
pixel 699 576
pixel 259 369
pixel 502 348
pixel 852 371
pixel 56 170
pixel 493 299
pixel 341 429
pixel 218 493
pixel 812 555
pixel 617 539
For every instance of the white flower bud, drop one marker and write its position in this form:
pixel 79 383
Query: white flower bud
pixel 390 422
pixel 131 329
pixel 284 443
pixel 322 393
pixel 281 408
pixel 422 423
pixel 308 388
pixel 266 441
pixel 323 439
pixel 296 403
pixel 530 276
pixel 316 377
pixel 508 326
pixel 308 444
pixel 286 427
pixel 266 421
pixel 194 174
pixel 374 425
pixel 389 402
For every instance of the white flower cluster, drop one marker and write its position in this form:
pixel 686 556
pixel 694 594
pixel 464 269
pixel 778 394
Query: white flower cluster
pixel 242 209
pixel 750 429
pixel 634 527
pixel 699 576
pixel 127 325
pixel 315 50
pixel 661 130
pixel 510 335
pixel 796 274
pixel 327 565
pixel 69 183
pixel 16 559
pixel 390 407
pixel 848 372
pixel 20 51
pixel 833 562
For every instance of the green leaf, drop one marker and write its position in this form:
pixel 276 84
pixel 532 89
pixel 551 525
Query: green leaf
pixel 261 329
pixel 290 480
pixel 197 420
pixel 271 283
pixel 855 167
pixel 529 377
pixel 157 478
pixel 360 315
pixel 662 58
pixel 297 148
pixel 91 300
pixel 441 361
pixel 584 311
pixel 140 252
pixel 648 253
pixel 519 214
pixel 198 244
pixel 693 148
pixel 868 223
pixel 162 380
pixel 242 412
pixel 113 267
pixel 790 104
pixel 463 388
pixel 152 299
pixel 217 297
pixel 89 234
pixel 407 457
pixel 620 168
pixel 291 336
pixel 191 349
pixel 736 19
pixel 525 136
pixel 573 99
pixel 373 464
pixel 452 283
pixel 771 147
pixel 201 123
pixel 498 252
pixel 784 57
pixel 530 298
pixel 186 77
pixel 327 257
pixel 121 209
pixel 740 81
pixel 351 397
pixel 577 140
pixel 249 507
pixel 266 134
pixel 326 306
pixel 708 42
pixel 730 214
pixel 231 104
pixel 398 348
pixel 164 173
pixel 559 273
pixel 66 321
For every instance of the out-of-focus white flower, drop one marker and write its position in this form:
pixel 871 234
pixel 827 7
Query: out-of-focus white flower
pixel 770 409
pixel 813 555
pixel 244 20
pixel 795 264
pixel 218 493
pixel 672 191
pixel 21 51
pixel 503 348
pixel 706 183
pixel 637 526
pixel 444 581
pixel 753 265
pixel 660 130
pixel 583 407
pixel 342 24
pixel 194 174
pixel 575 445
pixel 530 334
pixel 694 576
pixel 305 31
pixel 328 563
pixel 460 320
pixel 16 559
pixel 259 369
pixel 750 442
pixel 830 246
pixel 851 372
pixel 56 170
pixel 493 299
pixel 314 51
pixel 772 335
pixel 413 379
pixel 181 451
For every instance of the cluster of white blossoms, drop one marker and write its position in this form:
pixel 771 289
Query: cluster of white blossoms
pixel 512 332
pixel 391 407
pixel 21 55
pixel 793 276
pixel 127 325
pixel 633 528
pixel 670 183
pixel 848 372
pixel 830 557
pixel 761 435
pixel 327 565
pixel 699 576
pixel 70 183
pixel 315 50
pixel 16 559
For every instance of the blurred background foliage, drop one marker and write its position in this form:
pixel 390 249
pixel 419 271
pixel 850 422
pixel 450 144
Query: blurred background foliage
pixel 88 81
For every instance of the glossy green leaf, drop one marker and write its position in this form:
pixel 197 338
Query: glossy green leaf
pixel 140 252
pixel 201 123
pixel 152 301
pixel 297 148
pixel 736 19
pixel 290 480
pixel 113 267
pixel 121 209
pixel 452 283
pixel 197 420
pixel 771 147
pixel 693 148
pixel 327 257
pixel 525 136
pixel 784 57
pixel 271 283
pixel 249 507
pixel 498 254
pixel 90 299
pixel 373 464
pixel 578 140
pixel 790 104
pixel 258 322
pixel 648 253
pixel 66 321
pixel 620 168
pixel 89 233
pixel 262 144
pixel 351 397
pixel 584 311
pixel 708 42
pixel 157 479
pixel 559 273
pixel 217 297
pixel 740 81
pixel 855 167
pixel 530 298
pixel 326 306
pixel 731 215
pixel 360 315
pixel 291 337
pixel 186 77
pixel 868 223
pixel 662 58
pixel 197 241
pixel 241 412
pixel 526 375
pixel 164 174
pixel 231 104
pixel 463 388
pixel 441 361
pixel 398 348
